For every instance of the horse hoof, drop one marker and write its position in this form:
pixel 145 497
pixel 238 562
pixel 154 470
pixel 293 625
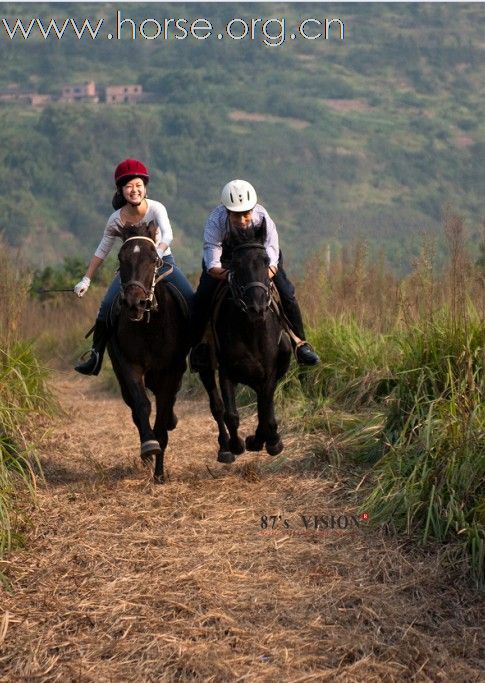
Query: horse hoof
pixel 274 448
pixel 149 448
pixel 226 457
pixel 253 443
pixel 158 479
pixel 237 446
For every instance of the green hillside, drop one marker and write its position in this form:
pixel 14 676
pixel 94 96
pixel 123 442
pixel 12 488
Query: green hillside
pixel 369 137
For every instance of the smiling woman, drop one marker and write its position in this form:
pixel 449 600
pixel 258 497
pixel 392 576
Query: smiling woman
pixel 132 207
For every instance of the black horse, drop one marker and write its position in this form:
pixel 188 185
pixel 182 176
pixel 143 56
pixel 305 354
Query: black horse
pixel 251 348
pixel 149 344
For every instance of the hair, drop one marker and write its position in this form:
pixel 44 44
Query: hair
pixel 118 200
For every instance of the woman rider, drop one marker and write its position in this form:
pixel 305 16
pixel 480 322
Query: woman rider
pixel 131 205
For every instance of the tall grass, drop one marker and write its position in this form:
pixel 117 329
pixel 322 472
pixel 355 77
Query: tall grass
pixel 415 361
pixel 23 394
pixel 431 476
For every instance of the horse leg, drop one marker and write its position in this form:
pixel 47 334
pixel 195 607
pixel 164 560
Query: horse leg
pixel 208 378
pixel 160 429
pixel 255 442
pixel 231 416
pixel 267 429
pixel 133 391
pixel 165 394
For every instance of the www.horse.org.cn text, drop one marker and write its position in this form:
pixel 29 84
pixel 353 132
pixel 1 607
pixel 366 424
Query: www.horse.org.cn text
pixel 271 32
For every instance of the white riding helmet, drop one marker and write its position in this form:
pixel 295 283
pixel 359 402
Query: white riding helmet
pixel 239 195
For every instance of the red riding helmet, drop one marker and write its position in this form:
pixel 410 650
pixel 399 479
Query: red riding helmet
pixel 131 168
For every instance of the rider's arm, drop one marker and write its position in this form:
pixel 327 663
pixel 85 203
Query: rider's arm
pixel 94 264
pixel 111 232
pixel 161 245
pixel 104 247
pixel 164 233
pixel 213 236
pixel 272 241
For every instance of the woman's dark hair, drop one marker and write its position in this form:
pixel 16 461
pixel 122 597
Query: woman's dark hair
pixel 118 200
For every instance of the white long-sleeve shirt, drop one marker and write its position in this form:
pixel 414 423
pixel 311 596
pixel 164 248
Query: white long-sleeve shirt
pixel 217 227
pixel 114 228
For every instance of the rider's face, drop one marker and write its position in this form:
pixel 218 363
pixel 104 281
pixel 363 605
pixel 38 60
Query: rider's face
pixel 240 219
pixel 134 191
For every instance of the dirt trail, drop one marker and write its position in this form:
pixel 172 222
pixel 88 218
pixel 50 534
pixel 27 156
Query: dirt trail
pixel 122 580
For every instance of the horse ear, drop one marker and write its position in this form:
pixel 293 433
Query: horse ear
pixel 152 229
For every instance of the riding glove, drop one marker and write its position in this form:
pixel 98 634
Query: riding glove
pixel 82 287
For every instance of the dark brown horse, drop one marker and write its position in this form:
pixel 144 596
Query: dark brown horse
pixel 251 349
pixel 149 344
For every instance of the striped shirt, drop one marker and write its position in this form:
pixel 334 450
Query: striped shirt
pixel 114 228
pixel 217 227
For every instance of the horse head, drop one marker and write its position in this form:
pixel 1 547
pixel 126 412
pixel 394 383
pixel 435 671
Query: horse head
pixel 248 272
pixel 139 262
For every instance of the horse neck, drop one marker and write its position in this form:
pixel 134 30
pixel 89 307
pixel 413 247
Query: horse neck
pixel 253 330
pixel 163 299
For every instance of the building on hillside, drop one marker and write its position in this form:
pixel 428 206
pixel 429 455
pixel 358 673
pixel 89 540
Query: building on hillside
pixel 37 100
pixel 116 94
pixel 84 92
pixel 24 97
pixel 10 95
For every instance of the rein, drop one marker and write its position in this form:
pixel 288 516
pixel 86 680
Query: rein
pixel 238 291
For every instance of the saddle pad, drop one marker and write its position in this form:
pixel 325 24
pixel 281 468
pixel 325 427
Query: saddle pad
pixel 179 298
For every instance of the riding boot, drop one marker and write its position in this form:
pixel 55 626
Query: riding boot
pixel 304 353
pixel 199 358
pixel 92 365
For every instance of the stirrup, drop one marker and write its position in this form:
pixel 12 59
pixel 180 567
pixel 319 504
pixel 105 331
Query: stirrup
pixel 92 365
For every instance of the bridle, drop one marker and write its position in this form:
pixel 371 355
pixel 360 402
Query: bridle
pixel 239 291
pixel 150 304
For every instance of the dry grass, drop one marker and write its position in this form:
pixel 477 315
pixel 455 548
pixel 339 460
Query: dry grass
pixel 348 105
pixel 352 284
pixel 255 117
pixel 125 581
pixel 58 325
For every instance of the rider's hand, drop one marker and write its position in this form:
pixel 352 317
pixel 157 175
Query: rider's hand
pixel 82 287
pixel 219 273
pixel 272 270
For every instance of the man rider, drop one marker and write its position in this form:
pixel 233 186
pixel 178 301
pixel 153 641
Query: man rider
pixel 239 210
